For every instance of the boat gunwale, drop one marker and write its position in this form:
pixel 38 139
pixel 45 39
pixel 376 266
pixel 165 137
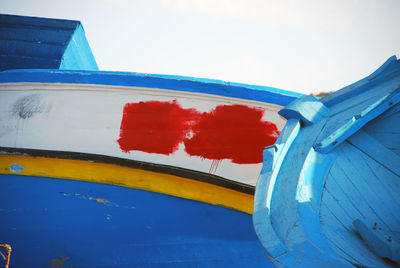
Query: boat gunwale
pixel 147 166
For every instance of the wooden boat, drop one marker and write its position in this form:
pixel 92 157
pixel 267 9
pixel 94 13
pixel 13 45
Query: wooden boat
pixel 328 194
pixel 107 169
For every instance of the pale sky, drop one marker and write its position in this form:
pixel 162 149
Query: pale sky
pixel 302 46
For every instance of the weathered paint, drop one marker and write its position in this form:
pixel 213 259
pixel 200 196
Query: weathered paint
pixel 128 177
pixel 179 83
pixel 8 254
pixel 331 174
pixel 87 119
pixel 76 222
pixel 39 43
pixel 137 228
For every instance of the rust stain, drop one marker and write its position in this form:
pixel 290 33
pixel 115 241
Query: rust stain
pixel 103 201
pixel 82 196
pixel 60 263
pixel 6 258
pixel 97 199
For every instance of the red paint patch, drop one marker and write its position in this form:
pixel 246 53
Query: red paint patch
pixel 234 132
pixel 154 126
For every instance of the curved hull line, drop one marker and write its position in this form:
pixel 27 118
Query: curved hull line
pixel 126 177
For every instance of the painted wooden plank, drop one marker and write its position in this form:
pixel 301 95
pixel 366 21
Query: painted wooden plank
pixel 361 178
pixel 349 244
pixel 356 194
pixel 351 193
pixel 284 206
pixel 381 244
pixel 60 40
pixel 389 113
pixel 35 21
pixel 386 129
pixel 308 255
pixel 339 202
pixel 388 183
pixel 178 83
pixel 364 99
pixel 78 55
pixel 378 182
pixel 342 224
pixel 384 124
pixel 337 210
pixel 310 188
pixel 15 47
pixel 329 140
pixel 307 109
pixel 273 157
pixel 350 107
pixel 391 64
pixel 390 140
pixel 16 61
pixel 34 34
pixel 334 230
pixel 377 151
pixel 396 151
pixel 64 117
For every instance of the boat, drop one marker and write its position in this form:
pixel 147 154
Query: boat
pixel 103 169
pixel 328 193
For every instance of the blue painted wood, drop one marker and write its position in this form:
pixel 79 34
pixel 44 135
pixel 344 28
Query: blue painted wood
pixel 273 157
pixel 180 83
pixel 376 151
pixel 36 49
pixel 336 172
pixel 366 185
pixel 29 33
pixel 36 21
pixel 33 43
pixel 134 228
pixel 344 201
pixel 309 192
pixel 286 225
pixel 78 55
pixel 346 242
pixel 15 62
pixel 386 129
pixel 377 241
pixel 307 109
pixel 328 141
pixel 389 68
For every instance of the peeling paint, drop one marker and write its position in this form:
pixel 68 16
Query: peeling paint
pixel 305 193
pixel 15 168
pixel 60 263
pixel 96 199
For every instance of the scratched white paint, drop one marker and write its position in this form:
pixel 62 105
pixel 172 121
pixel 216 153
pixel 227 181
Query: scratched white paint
pixel 87 118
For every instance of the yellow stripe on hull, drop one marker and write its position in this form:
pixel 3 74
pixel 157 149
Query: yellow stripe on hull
pixel 128 177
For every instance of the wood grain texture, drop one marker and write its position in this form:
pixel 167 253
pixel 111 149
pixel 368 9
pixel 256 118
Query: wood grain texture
pixel 341 171
pixel 386 130
pixel 357 188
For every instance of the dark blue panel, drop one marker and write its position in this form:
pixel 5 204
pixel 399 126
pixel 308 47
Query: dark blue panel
pixel 35 21
pixel 14 62
pixel 31 49
pixel 59 41
pixel 94 225
pixel 34 34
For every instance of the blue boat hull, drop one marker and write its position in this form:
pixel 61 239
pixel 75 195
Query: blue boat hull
pixel 51 222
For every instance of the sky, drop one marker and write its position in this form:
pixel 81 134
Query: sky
pixel 303 46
